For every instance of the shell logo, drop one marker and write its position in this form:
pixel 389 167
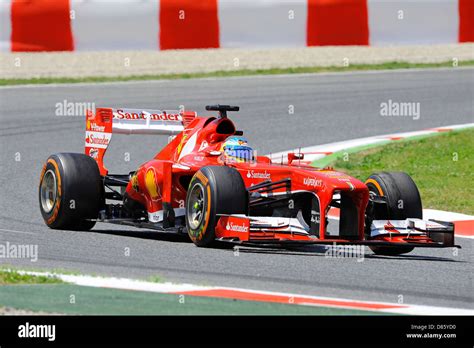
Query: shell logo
pixel 151 185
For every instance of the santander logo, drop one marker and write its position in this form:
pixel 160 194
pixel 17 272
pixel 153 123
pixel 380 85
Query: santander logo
pixel 129 114
pixel 97 139
pixel 101 140
pixel 236 228
pixel 258 175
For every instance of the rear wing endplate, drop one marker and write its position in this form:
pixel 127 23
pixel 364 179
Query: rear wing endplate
pixel 107 121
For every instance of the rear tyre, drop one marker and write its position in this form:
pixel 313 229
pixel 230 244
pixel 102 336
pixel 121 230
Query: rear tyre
pixel 70 192
pixel 403 201
pixel 213 190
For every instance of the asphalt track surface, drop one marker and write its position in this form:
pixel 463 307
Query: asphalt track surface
pixel 328 108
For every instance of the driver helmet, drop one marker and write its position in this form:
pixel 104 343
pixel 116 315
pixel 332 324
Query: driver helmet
pixel 236 148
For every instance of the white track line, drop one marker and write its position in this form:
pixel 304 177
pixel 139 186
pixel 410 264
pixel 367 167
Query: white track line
pixel 13 231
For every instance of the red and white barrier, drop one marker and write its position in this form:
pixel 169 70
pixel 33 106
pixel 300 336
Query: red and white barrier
pixel 67 25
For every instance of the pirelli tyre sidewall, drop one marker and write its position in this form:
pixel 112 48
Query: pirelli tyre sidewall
pixel 403 201
pixel 77 192
pixel 223 192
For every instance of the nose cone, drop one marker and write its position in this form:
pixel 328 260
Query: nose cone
pixel 342 181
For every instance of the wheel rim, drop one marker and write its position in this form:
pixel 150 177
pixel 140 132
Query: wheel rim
pixel 195 210
pixel 48 191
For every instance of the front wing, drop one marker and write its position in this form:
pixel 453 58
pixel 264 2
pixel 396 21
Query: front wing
pixel 241 229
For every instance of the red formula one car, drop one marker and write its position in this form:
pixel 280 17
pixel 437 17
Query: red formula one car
pixel 209 183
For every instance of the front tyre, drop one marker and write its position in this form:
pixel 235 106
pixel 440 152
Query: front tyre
pixel 213 190
pixel 403 201
pixel 70 192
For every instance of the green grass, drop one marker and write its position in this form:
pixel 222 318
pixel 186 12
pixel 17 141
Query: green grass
pixel 442 167
pixel 15 278
pixel 243 72
pixel 61 271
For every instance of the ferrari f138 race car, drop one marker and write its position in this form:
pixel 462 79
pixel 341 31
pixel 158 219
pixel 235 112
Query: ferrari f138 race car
pixel 209 183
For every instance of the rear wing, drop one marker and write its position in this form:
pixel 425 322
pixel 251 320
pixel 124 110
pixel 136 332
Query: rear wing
pixel 107 121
